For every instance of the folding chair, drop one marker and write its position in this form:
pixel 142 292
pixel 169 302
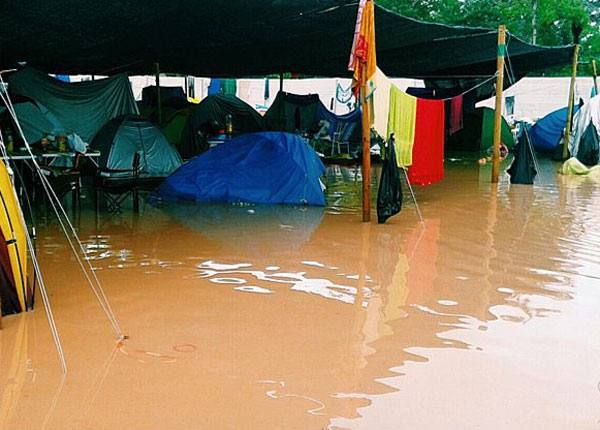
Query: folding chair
pixel 341 136
pixel 116 188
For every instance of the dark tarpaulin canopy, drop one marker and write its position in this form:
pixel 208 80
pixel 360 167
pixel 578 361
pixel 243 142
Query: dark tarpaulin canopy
pixel 244 38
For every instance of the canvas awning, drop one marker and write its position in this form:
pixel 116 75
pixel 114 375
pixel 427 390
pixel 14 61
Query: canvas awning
pixel 243 38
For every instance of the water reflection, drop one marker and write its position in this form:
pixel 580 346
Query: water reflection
pixel 251 226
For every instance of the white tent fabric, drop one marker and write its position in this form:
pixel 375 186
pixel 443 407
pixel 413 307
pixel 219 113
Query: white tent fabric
pixel 588 114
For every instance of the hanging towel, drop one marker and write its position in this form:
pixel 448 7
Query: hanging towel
pixel 267 90
pixel 381 103
pixel 428 150
pixel 456 114
pixel 401 123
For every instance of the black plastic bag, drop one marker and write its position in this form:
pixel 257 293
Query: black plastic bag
pixel 588 149
pixel 389 194
pixel 522 170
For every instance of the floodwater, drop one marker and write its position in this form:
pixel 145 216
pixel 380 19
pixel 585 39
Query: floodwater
pixel 486 316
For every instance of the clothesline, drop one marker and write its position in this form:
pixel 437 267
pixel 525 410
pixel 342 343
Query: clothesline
pixel 472 88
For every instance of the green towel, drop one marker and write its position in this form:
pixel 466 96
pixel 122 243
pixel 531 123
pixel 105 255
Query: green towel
pixel 401 122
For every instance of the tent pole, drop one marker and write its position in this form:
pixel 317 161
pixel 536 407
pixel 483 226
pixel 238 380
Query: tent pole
pixel 595 76
pixel 498 111
pixel 414 198
pixel 158 100
pixel 565 153
pixel 366 150
pixel 281 82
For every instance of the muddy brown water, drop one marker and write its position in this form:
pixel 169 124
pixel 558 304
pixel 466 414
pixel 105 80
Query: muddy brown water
pixel 485 316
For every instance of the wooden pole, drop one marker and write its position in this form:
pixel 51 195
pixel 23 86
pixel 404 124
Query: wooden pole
pixel 366 153
pixel 158 99
pixel 498 111
pixel 595 76
pixel 565 153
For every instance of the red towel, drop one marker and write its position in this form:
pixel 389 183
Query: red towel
pixel 428 149
pixel 456 114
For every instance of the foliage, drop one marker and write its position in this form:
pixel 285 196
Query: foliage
pixel 551 19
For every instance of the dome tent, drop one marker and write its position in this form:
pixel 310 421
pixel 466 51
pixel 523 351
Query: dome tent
pixel 210 114
pixel 267 168
pixel 122 137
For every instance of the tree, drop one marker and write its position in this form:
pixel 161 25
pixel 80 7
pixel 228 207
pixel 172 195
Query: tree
pixel 548 22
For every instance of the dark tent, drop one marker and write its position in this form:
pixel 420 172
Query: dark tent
pixel 477 133
pixel 246 38
pixel 169 96
pixel 293 113
pixel 122 137
pixel 522 170
pixel 265 168
pixel 209 117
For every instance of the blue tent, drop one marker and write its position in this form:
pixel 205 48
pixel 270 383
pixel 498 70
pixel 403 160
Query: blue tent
pixel 546 133
pixel 268 168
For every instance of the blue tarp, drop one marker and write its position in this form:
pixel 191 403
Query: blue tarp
pixel 347 125
pixel 546 133
pixel 265 168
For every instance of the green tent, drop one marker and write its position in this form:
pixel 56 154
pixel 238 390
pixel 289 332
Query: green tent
pixel 173 127
pixel 477 133
pixel 487 131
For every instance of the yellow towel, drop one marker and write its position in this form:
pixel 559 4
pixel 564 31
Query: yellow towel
pixel 401 122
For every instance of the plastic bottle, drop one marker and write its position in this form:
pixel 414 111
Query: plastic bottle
pixel 228 124
pixel 10 143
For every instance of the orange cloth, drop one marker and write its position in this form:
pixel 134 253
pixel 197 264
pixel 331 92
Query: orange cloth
pixel 363 58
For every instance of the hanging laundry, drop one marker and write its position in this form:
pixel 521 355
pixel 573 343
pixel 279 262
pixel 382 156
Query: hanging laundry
pixel 456 114
pixel 428 150
pixel 343 95
pixel 381 103
pixel 214 87
pixel 267 89
pixel 401 123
